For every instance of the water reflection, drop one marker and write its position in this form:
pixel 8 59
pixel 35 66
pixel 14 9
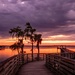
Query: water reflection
pixel 6 53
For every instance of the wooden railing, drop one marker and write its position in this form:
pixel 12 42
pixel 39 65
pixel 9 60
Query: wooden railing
pixel 70 55
pixel 60 65
pixel 29 56
pixel 11 65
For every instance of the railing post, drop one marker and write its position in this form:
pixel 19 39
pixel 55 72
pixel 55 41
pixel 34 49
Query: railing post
pixel 27 58
pixel 22 57
pixel 46 59
pixel 43 56
pixel 74 55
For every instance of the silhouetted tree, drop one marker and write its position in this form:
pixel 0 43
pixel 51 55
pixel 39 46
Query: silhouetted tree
pixel 19 34
pixel 38 39
pixel 16 46
pixel 30 33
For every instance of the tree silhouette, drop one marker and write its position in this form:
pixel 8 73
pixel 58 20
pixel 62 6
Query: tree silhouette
pixel 16 46
pixel 20 34
pixel 30 33
pixel 38 39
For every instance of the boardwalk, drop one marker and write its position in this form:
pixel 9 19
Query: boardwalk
pixel 59 64
pixel 34 68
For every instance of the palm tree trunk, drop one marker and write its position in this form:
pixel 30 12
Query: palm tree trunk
pixel 32 51
pixel 38 52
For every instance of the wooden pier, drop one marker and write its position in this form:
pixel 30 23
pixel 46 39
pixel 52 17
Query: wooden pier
pixel 49 64
pixel 61 64
pixel 34 68
pixel 13 64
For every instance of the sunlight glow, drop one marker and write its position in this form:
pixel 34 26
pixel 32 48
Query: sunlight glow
pixel 58 36
pixel 10 41
pixel 57 41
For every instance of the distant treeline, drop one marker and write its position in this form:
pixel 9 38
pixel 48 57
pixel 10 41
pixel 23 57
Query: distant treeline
pixel 2 47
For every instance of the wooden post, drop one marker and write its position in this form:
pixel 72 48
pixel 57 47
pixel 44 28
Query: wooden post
pixel 43 56
pixel 46 59
pixel 27 58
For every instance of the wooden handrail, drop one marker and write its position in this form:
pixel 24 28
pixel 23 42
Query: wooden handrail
pixel 12 64
pixel 70 55
pixel 61 65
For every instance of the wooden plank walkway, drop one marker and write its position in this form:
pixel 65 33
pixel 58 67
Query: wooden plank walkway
pixel 34 68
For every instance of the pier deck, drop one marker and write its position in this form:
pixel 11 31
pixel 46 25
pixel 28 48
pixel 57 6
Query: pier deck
pixel 34 68
pixel 58 64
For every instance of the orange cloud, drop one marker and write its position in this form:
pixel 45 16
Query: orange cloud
pixel 51 40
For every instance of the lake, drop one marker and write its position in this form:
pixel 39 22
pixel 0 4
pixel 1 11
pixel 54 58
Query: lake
pixel 6 53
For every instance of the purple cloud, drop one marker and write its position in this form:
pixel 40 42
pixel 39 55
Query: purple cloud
pixel 50 16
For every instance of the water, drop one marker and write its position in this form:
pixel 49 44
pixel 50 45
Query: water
pixel 6 53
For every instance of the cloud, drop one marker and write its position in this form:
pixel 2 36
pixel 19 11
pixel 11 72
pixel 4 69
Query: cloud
pixel 50 17
pixel 71 14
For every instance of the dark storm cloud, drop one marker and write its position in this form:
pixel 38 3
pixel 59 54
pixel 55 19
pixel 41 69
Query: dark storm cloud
pixel 45 15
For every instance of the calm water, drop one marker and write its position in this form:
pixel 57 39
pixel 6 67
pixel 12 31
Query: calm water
pixel 6 53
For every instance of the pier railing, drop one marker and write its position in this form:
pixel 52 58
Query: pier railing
pixel 12 64
pixel 60 65
pixel 70 55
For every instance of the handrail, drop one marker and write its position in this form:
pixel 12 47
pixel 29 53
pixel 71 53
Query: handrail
pixel 61 65
pixel 12 64
pixel 70 55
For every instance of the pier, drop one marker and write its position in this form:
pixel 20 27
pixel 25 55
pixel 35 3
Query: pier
pixel 34 68
pixel 61 65
pixel 49 64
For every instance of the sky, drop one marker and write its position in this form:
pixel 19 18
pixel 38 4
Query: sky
pixel 54 19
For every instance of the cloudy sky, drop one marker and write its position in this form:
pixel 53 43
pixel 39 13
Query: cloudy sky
pixel 54 19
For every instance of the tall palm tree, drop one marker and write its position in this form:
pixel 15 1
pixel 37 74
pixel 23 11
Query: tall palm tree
pixel 30 33
pixel 19 34
pixel 38 39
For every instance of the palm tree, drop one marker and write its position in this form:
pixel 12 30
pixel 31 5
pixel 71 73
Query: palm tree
pixel 30 33
pixel 38 39
pixel 19 34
